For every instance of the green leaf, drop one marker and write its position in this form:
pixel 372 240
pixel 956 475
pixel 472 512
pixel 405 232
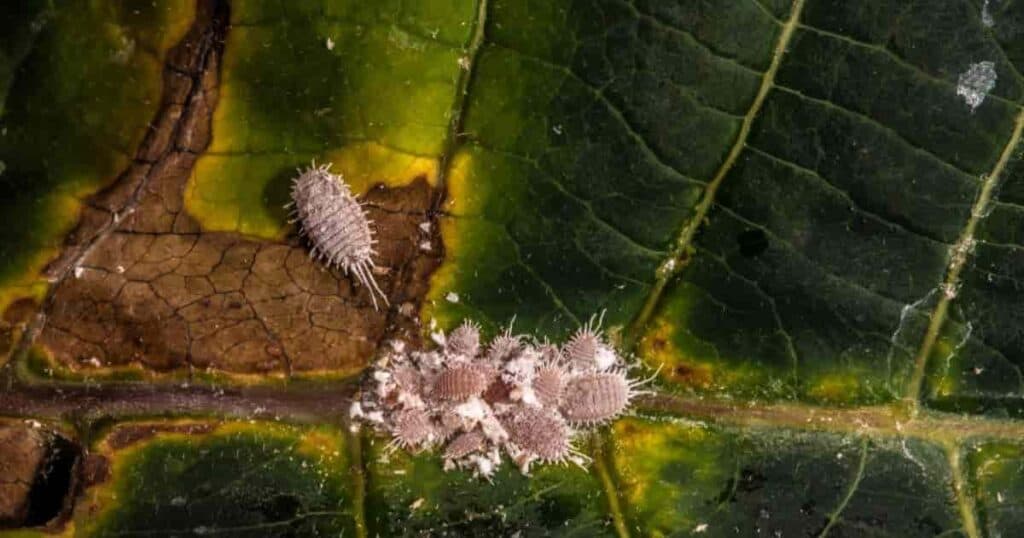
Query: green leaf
pixel 235 479
pixel 413 496
pixel 806 213
pixel 726 483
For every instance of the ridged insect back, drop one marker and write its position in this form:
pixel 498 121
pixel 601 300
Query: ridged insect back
pixel 595 398
pixel 464 340
pixel 464 444
pixel 461 382
pixel 336 225
pixel 540 432
pixel 413 428
pixel 548 385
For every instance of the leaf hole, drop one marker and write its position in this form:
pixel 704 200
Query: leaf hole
pixel 53 483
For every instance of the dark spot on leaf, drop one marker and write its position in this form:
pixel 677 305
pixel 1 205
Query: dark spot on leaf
pixel 750 481
pixel 752 243
pixel 281 508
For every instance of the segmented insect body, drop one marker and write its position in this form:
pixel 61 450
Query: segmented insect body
pixel 336 225
pixel 464 340
pixel 464 445
pixel 597 397
pixel 408 379
pixel 542 433
pixel 504 346
pixel 550 354
pixel 586 349
pixel 413 429
pixel 461 382
pixel 548 384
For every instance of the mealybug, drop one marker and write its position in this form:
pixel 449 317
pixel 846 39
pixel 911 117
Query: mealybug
pixel 336 225
pixel 461 382
pixel 597 397
pixel 464 340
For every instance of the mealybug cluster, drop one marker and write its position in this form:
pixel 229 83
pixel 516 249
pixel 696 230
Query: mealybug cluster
pixel 336 225
pixel 514 395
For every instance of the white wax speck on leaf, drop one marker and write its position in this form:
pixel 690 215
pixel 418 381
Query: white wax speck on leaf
pixel 976 83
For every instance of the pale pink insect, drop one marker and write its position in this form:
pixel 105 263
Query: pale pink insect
pixel 587 350
pixel 464 340
pixel 597 397
pixel 504 346
pixel 461 382
pixel 413 429
pixel 408 379
pixel 548 384
pixel 541 433
pixel 336 225
pixel 464 445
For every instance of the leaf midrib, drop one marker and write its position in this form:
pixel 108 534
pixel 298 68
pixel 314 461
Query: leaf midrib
pixel 959 253
pixel 675 262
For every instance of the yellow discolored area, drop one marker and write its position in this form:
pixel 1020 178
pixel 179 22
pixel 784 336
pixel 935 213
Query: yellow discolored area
pixel 695 365
pixel 437 309
pixel 835 387
pixel 646 451
pixel 341 82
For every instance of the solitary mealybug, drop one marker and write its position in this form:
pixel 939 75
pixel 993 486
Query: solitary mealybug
pixel 336 225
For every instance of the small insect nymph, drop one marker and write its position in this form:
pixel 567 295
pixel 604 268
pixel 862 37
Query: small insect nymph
pixel 464 340
pixel 336 225
pixel 595 398
pixel 461 382
pixel 587 350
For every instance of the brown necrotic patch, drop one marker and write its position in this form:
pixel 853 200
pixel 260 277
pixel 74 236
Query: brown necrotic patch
pixel 139 286
pixel 37 474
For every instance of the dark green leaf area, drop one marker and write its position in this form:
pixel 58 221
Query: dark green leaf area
pixel 978 367
pixel 938 39
pixel 580 176
pixel 999 486
pixel 413 496
pixel 242 484
pixel 727 483
pixel 831 233
pixel 79 83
